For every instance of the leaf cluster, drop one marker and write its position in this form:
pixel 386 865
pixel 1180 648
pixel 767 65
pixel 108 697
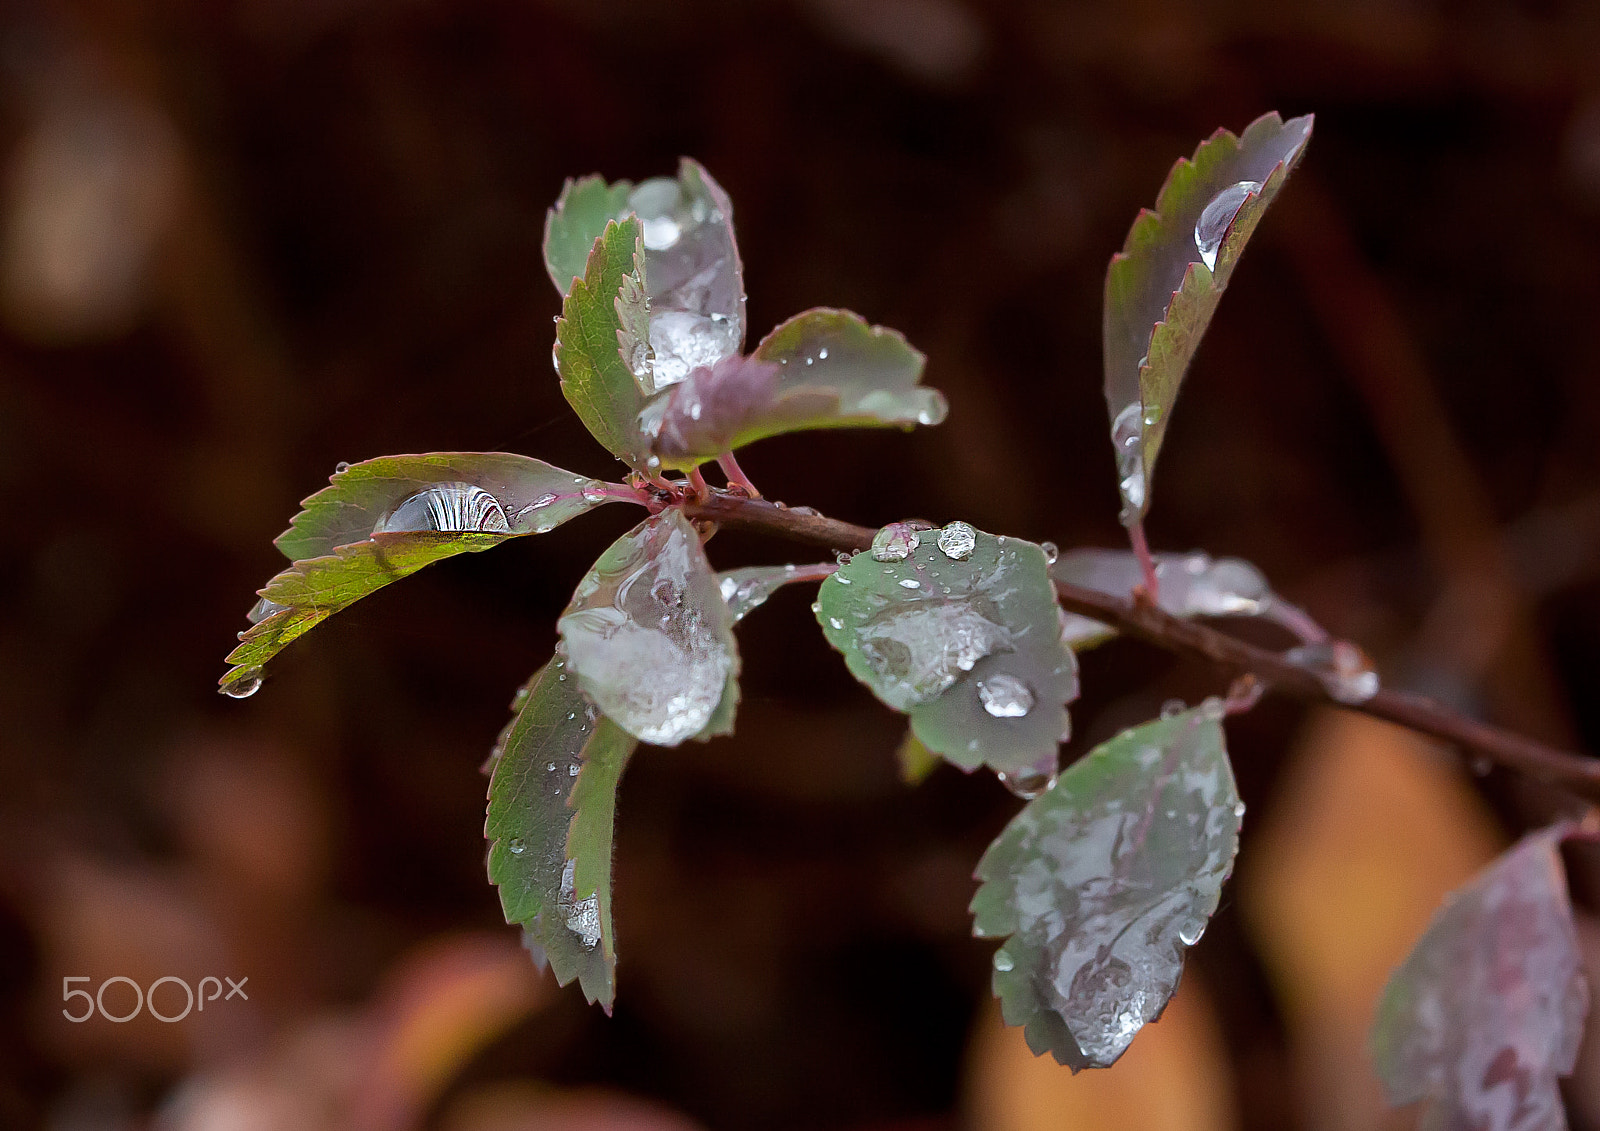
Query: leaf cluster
pixel 1111 870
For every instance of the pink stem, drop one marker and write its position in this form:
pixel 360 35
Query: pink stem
pixel 1147 564
pixel 702 489
pixel 736 476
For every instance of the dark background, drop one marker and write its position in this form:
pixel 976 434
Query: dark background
pixel 245 240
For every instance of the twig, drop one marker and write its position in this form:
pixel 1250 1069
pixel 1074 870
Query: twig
pixel 1577 773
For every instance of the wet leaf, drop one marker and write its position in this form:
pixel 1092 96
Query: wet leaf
pixel 602 318
pixel 552 799
pixel 690 271
pixel 820 369
pixel 577 220
pixel 1191 585
pixel 650 637
pixel 383 519
pixel 1163 287
pixel 1488 1010
pixel 1104 881
pixel 961 632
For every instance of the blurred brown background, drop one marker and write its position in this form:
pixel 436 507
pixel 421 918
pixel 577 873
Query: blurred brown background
pixel 243 240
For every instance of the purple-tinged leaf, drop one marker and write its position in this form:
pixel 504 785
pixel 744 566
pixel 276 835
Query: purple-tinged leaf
pixel 383 519
pixel 1191 585
pixel 552 798
pixel 1105 880
pixel 650 637
pixel 1487 1011
pixel 1163 287
pixel 577 220
pixel 960 630
pixel 820 369
pixel 604 367
pixel 692 272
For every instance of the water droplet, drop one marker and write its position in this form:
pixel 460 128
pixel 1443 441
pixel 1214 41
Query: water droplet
pixel 263 609
pixel 516 846
pixel 1027 784
pixel 816 606
pixel 909 583
pixel 1172 708
pixel 841 580
pixel 543 501
pixel 449 507
pixel 594 491
pixel 894 542
pixel 550 767
pixel 1002 961
pixel 1127 438
pixel 1051 552
pixel 1344 669
pixel 1190 930
pixel 822 354
pixel 958 540
pixel 1238 808
pixel 1005 696
pixel 1217 218
pixel 836 622
pixel 341 467
pixel 243 685
pixel 572 770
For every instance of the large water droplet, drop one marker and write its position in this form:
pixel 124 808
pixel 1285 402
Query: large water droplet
pixel 243 685
pixel 1005 696
pixel 1217 218
pixel 921 648
pixel 1051 552
pixel 449 507
pixel 263 609
pixel 895 542
pixel 593 491
pixel 341 467
pixel 1003 961
pixel 958 540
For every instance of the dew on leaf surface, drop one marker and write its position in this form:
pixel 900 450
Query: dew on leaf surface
pixel 1005 696
pixel 958 540
pixel 447 507
pixel 1217 218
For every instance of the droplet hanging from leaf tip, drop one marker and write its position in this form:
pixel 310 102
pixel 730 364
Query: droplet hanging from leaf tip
pixel 243 685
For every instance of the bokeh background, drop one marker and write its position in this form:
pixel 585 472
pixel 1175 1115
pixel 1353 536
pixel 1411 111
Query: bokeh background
pixel 243 240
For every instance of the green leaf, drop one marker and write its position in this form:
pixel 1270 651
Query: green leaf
pixel 1105 880
pixel 577 220
pixel 821 369
pixel 1191 585
pixel 1488 1009
pixel 602 318
pixel 650 637
pixel 1160 292
pixel 960 630
pixel 384 519
pixel 526 496
pixel 552 798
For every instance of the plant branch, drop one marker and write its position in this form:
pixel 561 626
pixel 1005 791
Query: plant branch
pixel 1577 773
